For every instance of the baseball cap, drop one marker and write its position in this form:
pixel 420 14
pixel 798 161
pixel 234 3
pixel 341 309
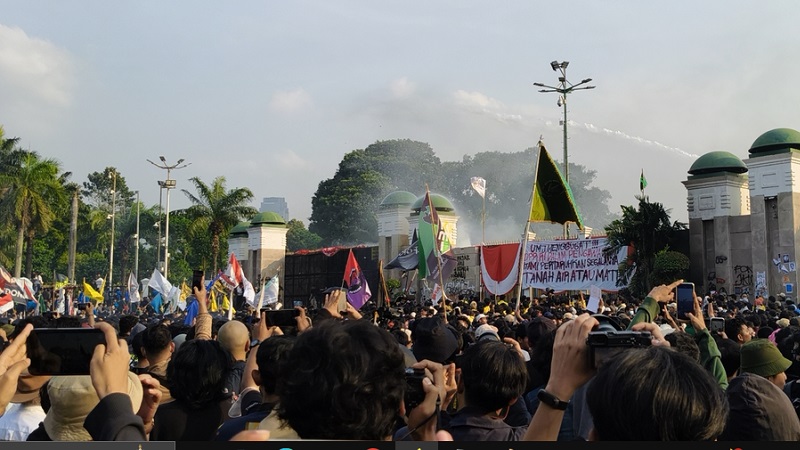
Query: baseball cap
pixel 486 331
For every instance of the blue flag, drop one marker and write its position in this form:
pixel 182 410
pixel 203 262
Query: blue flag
pixel 156 303
pixel 191 311
pixel 211 283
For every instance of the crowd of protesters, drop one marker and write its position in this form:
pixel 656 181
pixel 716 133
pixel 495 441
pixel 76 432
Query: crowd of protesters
pixel 467 369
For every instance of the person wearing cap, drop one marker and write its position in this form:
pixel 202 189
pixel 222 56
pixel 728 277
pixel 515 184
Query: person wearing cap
pixel 72 398
pixel 434 340
pixel 25 412
pixel 486 332
pixel 762 357
pixel 481 319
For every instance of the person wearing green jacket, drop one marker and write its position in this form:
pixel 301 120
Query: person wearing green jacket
pixel 709 352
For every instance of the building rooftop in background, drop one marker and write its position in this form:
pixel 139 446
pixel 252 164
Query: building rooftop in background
pixel 276 205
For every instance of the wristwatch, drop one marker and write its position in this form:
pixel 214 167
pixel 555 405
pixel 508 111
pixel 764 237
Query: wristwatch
pixel 551 400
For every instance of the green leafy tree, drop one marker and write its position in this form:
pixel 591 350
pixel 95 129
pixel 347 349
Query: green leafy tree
pixel 299 238
pixel 8 153
pixel 31 193
pixel 343 206
pixel 669 266
pixel 99 189
pixel 509 181
pixel 648 230
pixel 215 210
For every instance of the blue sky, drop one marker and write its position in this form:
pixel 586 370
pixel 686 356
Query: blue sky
pixel 272 94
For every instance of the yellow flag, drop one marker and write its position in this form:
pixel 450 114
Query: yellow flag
pixel 90 293
pixel 226 304
pixel 213 306
pixel 185 290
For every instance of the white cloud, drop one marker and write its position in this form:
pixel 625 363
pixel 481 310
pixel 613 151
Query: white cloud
pixel 479 103
pixel 32 67
pixel 288 159
pixel 402 88
pixel 476 100
pixel 292 101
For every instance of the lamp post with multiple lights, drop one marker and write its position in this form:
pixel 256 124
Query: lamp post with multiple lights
pixel 564 87
pixel 113 176
pixel 167 184
pixel 136 237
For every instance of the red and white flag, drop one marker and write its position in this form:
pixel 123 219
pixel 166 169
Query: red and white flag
pixel 6 302
pixel 234 276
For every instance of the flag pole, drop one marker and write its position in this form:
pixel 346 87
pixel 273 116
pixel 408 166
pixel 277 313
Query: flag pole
pixel 386 298
pixel 483 240
pixel 261 296
pixel 230 305
pixel 522 262
pixel 527 228
pixel 436 249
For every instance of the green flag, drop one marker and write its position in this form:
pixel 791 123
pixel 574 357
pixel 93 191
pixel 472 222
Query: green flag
pixel 642 181
pixel 428 231
pixel 552 199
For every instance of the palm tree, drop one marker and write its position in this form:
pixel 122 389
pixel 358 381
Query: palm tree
pixel 8 150
pixel 215 210
pixel 32 192
pixel 645 231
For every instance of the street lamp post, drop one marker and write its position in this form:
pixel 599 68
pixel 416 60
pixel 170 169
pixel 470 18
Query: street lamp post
pixel 136 236
pixel 168 184
pixel 113 175
pixel 564 87
pixel 158 223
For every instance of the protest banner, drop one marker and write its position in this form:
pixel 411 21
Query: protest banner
pixel 571 265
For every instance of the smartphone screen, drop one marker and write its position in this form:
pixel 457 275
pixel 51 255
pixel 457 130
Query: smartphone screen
pixel 62 351
pixel 342 306
pixel 716 324
pixel 197 280
pixel 281 318
pixel 684 295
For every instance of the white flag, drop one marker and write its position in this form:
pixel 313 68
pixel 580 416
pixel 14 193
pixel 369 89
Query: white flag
pixel 479 184
pixel 133 289
pixel 270 292
pixel 169 293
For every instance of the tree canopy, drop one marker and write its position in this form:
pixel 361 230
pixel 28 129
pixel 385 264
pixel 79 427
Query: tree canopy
pixel 215 209
pixel 647 231
pixel 343 207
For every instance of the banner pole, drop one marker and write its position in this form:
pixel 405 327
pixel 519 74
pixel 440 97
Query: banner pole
pixel 522 262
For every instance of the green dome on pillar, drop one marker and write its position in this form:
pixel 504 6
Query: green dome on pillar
pixel 779 140
pixel 440 202
pixel 239 229
pixel 398 198
pixel 717 162
pixel 267 218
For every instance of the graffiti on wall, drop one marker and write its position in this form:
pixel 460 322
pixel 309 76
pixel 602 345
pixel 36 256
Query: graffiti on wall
pixel 742 279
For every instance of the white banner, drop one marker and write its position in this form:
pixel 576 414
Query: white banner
pixel 572 265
